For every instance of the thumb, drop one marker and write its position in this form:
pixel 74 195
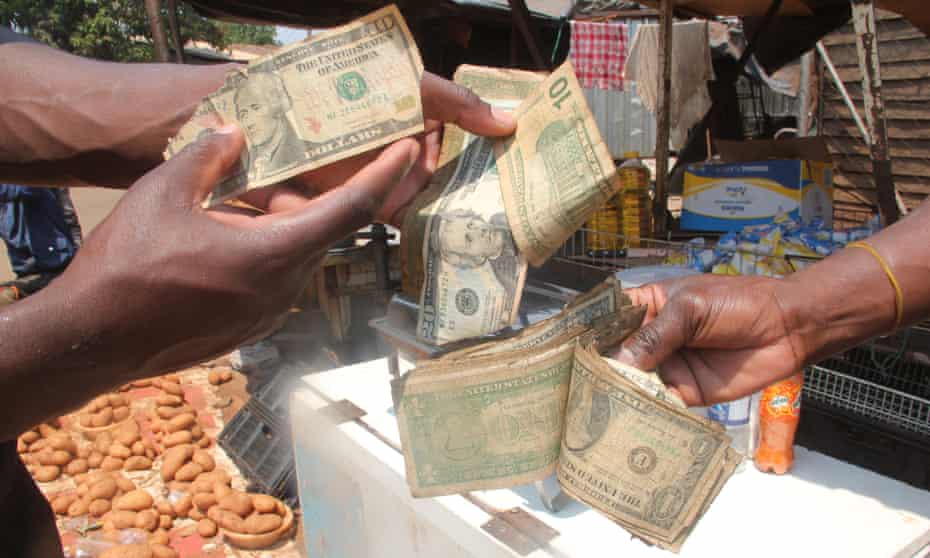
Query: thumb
pixel 315 225
pixel 655 341
pixel 200 167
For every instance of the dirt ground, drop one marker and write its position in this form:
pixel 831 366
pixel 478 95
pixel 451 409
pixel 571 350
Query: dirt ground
pixel 93 205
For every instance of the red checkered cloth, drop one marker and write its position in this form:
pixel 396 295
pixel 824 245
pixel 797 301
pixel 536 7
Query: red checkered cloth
pixel 598 53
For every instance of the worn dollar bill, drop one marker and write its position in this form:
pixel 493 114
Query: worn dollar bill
pixel 555 171
pixel 472 272
pixel 605 300
pixel 338 94
pixel 487 416
pixel 488 423
pixel 642 460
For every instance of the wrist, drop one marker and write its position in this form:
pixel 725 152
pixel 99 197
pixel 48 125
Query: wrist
pixel 801 324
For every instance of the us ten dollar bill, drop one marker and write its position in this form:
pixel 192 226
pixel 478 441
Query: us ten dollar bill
pixel 555 171
pixel 338 94
pixel 472 271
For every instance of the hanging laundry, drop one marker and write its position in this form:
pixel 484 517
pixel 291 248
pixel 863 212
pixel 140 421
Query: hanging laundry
pixel 691 70
pixel 598 53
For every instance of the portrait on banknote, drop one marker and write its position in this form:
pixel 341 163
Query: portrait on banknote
pixel 466 240
pixel 262 103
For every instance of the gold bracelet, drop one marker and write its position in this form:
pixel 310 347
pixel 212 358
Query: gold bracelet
pixel 898 295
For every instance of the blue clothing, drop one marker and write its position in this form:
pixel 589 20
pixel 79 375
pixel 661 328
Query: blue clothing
pixel 34 228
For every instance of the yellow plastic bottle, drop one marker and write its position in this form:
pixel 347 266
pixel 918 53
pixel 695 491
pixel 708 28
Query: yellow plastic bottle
pixel 634 193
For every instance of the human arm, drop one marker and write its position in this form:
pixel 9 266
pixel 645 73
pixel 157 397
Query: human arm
pixel 162 283
pixel 720 338
pixel 72 121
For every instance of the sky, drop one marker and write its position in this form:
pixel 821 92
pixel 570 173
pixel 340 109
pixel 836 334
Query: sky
pixel 288 35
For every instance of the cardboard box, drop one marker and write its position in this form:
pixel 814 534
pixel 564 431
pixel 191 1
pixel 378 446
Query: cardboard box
pixel 757 180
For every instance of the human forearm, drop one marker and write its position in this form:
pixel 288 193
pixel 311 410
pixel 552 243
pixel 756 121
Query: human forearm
pixel 66 120
pixel 848 298
pixel 54 355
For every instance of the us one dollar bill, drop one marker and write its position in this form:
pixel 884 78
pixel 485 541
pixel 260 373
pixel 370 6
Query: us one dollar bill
pixel 627 445
pixel 604 301
pixel 638 456
pixel 472 273
pixel 337 94
pixel 555 171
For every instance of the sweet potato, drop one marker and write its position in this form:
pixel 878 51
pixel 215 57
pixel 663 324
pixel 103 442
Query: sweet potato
pixel 77 508
pixel 47 473
pixel 178 438
pixel 204 501
pixel 77 466
pixel 238 503
pixel 264 503
pixel 206 528
pixel 181 422
pixel 102 418
pixel 183 506
pixel 104 489
pixel 188 472
pixel 62 502
pixel 147 520
pixel 172 388
pixel 98 507
pixel 123 483
pixel 102 442
pixel 138 463
pixel 204 459
pixel 259 523
pixel 123 519
pixel 174 458
pixel 94 459
pixel 111 463
pixel 160 536
pixel 136 500
pixel 227 520
pixel 162 551
pixel 121 413
pixel 117 449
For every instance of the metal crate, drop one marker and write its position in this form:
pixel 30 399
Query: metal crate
pixel 875 384
pixel 615 252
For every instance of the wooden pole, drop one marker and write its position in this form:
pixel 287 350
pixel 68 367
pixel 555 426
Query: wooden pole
pixel 523 21
pixel 863 12
pixel 159 40
pixel 175 31
pixel 663 120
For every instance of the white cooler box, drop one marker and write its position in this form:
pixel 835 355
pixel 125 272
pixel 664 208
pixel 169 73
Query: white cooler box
pixel 356 503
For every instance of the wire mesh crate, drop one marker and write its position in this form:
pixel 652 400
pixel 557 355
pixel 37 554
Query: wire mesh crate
pixel 875 383
pixel 600 249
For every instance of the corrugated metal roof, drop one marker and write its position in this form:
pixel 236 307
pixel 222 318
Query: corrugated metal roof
pixel 904 54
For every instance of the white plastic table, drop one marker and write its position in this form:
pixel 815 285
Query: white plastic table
pixel 356 502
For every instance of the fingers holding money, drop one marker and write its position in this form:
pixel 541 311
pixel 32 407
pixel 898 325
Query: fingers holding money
pixel 448 102
pixel 315 224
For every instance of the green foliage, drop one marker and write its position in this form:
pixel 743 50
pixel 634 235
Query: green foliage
pixel 248 34
pixel 117 29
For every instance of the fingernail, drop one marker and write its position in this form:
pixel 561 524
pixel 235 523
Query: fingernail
pixel 625 356
pixel 227 129
pixel 503 116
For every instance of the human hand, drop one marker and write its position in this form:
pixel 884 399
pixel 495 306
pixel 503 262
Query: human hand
pixel 443 101
pixel 171 284
pixel 714 339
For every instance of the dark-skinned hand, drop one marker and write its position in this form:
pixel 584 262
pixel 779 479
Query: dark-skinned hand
pixel 443 101
pixel 174 283
pixel 713 338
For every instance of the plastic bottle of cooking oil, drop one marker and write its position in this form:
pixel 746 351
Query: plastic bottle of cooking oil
pixel 634 193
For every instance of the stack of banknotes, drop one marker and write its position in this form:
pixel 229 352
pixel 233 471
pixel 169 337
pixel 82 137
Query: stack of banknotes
pixel 514 411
